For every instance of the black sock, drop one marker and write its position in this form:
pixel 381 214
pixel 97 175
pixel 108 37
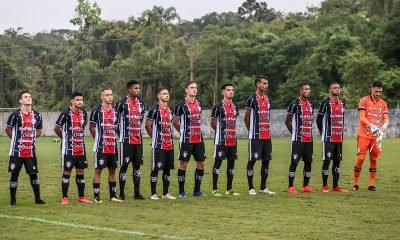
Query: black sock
pixel 80 183
pixel 250 173
pixel 217 165
pixel 181 180
pixel 112 186
pixel 96 190
pixel 136 179
pixel 292 173
pixel 65 185
pixel 230 172
pixel 198 177
pixel 13 186
pixel 307 173
pixel 166 180
pixel 325 172
pixel 264 174
pixel 153 182
pixel 35 186
pixel 122 180
pixel 336 173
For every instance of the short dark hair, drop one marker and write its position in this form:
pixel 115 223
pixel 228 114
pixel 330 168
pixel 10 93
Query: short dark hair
pixel 333 83
pixel 161 88
pixel 189 83
pixel 106 88
pixel 377 84
pixel 131 82
pixel 303 84
pixel 76 94
pixel 259 78
pixel 226 85
pixel 22 93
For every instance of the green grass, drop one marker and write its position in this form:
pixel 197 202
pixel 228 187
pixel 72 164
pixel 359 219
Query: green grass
pixel 355 215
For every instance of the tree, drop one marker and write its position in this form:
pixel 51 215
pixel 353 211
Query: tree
pixel 253 11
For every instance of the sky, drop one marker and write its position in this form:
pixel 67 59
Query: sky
pixel 44 15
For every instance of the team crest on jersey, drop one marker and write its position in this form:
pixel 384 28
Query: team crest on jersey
pixel 12 166
pixel 68 164
pixel 101 161
pixel 256 155
pixel 220 153
pixel 329 154
pixel 185 154
pixel 295 156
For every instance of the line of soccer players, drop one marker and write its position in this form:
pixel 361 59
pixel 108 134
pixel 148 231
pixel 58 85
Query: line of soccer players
pixel 106 123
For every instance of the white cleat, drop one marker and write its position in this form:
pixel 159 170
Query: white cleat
pixel 216 193
pixel 267 191
pixel 115 199
pixel 231 192
pixel 168 196
pixel 154 197
pixel 252 191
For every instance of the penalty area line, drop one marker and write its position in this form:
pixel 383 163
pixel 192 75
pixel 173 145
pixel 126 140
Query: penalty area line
pixel 93 227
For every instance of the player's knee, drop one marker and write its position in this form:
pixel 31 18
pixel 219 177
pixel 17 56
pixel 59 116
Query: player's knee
pixel 200 165
pixel 67 173
pixel 79 171
pixel 372 170
pixel 183 165
pixel 357 169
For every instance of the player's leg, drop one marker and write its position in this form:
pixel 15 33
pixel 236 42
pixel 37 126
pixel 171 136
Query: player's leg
pixel 166 176
pixel 295 157
pixel 326 160
pixel 266 156
pixel 112 164
pixel 31 169
pixel 199 156
pixel 372 172
pixel 14 168
pixel 216 167
pixel 307 158
pixel 124 162
pixel 136 161
pixel 66 165
pixel 182 177
pixel 96 185
pixel 80 166
pixel 254 155
pixel 362 148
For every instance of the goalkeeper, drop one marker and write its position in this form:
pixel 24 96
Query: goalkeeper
pixel 374 120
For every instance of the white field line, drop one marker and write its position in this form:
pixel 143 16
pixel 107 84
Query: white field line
pixel 92 227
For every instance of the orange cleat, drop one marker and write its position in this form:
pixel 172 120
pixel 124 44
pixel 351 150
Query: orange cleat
pixel 291 190
pixel 84 199
pixel 307 189
pixel 64 200
pixel 339 189
pixel 325 189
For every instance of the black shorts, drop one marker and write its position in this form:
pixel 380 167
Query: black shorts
pixel 16 163
pixel 131 153
pixel 105 160
pixel 196 149
pixel 162 159
pixel 332 151
pixel 68 162
pixel 303 151
pixel 260 149
pixel 222 152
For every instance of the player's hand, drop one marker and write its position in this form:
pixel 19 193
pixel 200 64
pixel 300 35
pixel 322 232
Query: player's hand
pixel 374 129
pixel 384 127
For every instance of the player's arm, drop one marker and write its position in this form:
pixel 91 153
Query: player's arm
pixel 385 122
pixel 9 131
pixel 319 122
pixel 288 122
pixel 247 118
pixel 149 127
pixel 39 132
pixel 58 131
pixel 92 129
pixel 213 123
pixel 176 123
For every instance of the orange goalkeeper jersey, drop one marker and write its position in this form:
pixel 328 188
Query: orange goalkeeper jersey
pixel 371 112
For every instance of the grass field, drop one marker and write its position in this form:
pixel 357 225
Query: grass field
pixel 355 215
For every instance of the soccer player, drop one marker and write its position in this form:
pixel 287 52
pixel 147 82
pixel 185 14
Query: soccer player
pixel 299 120
pixel 23 127
pixel 374 120
pixel 330 122
pixel 70 127
pixel 187 120
pixel 130 111
pixel 103 125
pixel 160 129
pixel 223 121
pixel 257 120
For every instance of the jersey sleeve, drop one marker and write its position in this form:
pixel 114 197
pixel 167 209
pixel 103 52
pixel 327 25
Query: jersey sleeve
pixel 178 111
pixel 85 118
pixel 362 105
pixel 144 108
pixel 250 102
pixel 61 119
pixel 292 108
pixel 215 111
pixel 39 121
pixel 237 109
pixel 151 115
pixel 12 120
pixel 94 116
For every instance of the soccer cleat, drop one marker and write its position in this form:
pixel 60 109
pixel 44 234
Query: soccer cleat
pixel 267 191
pixel 356 188
pixel 168 196
pixel 339 189
pixel 307 189
pixel 154 197
pixel 64 200
pixel 122 197
pixel 182 195
pixel 13 202
pixel 372 188
pixel 199 194
pixel 97 200
pixel 231 192
pixel 116 199
pixel 325 189
pixel 252 191
pixel 84 199
pixel 291 190
pixel 216 193
pixel 139 197
pixel 40 201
